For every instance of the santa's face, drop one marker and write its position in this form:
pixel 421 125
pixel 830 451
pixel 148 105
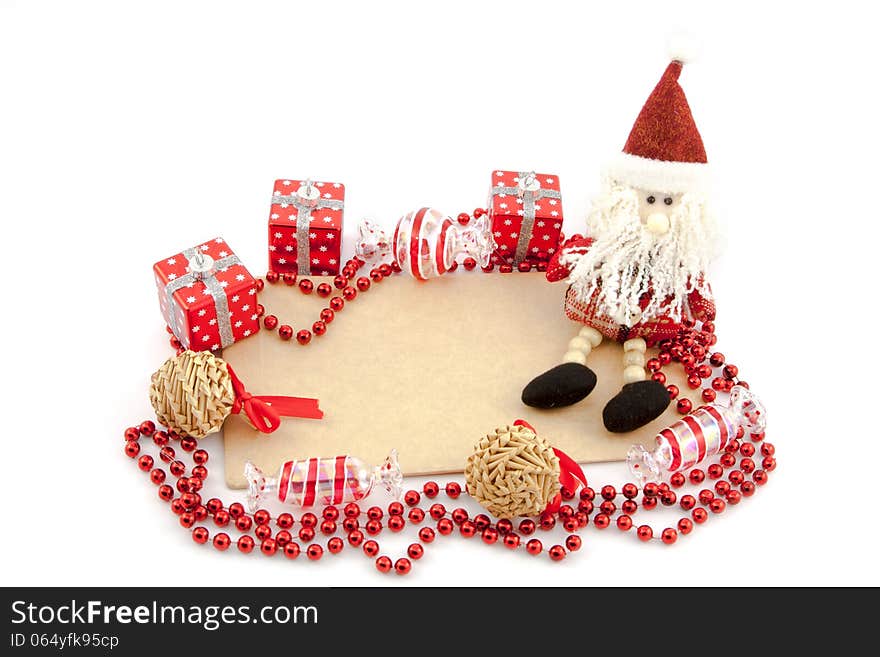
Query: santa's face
pixel 655 210
pixel 644 241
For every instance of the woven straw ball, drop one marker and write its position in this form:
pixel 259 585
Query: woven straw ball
pixel 192 393
pixel 513 472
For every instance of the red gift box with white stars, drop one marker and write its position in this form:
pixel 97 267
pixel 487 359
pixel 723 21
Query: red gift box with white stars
pixel 207 297
pixel 526 218
pixel 306 238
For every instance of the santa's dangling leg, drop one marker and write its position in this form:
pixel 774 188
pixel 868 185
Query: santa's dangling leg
pixel 569 382
pixel 640 401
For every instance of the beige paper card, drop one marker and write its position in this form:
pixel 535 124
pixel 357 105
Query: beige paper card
pixel 426 368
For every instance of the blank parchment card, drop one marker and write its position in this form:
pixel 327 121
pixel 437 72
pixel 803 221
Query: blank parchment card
pixel 426 368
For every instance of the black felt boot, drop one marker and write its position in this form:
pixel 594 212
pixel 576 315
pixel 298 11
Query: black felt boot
pixel 559 386
pixel 635 405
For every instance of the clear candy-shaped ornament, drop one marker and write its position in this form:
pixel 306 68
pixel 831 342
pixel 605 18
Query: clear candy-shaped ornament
pixel 426 242
pixel 322 481
pixel 372 245
pixel 697 437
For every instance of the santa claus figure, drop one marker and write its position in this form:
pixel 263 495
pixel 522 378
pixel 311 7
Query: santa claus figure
pixel 639 276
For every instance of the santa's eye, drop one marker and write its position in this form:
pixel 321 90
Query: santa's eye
pixel 650 200
pixel 668 200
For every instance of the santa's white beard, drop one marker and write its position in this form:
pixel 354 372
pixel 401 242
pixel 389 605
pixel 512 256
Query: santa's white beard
pixel 626 260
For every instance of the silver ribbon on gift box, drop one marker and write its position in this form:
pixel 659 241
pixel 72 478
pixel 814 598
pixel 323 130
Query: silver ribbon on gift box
pixel 202 268
pixel 529 189
pixel 306 199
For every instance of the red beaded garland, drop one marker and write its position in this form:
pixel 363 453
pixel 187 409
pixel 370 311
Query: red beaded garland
pixel 729 476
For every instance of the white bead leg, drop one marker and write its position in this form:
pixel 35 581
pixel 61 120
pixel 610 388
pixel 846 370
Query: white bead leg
pixel 634 360
pixel 580 346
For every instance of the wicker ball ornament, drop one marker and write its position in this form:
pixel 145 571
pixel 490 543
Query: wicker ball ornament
pixel 513 472
pixel 192 393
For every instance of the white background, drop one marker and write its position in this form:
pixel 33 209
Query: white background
pixel 131 130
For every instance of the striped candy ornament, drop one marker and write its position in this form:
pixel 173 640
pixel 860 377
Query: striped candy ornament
pixel 697 436
pixel 322 481
pixel 703 433
pixel 420 244
pixel 426 242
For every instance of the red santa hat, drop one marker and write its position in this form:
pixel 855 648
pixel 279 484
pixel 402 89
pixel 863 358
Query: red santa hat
pixel 664 152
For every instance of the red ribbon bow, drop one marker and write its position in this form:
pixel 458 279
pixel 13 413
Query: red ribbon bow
pixel 266 411
pixel 570 473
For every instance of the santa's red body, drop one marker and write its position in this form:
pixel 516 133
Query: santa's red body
pixel 652 330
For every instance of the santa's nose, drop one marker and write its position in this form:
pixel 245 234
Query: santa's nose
pixel 657 223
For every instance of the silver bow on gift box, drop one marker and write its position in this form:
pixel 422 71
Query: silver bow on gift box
pixel 306 199
pixel 529 189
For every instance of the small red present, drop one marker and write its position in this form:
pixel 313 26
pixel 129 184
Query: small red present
pixel 305 227
pixel 526 213
pixel 207 296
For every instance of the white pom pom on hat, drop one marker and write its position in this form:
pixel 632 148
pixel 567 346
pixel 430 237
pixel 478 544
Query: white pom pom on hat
pixel 682 47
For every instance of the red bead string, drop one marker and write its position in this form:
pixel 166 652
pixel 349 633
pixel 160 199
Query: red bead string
pixel 691 348
pixel 341 282
pixel 734 475
pixel 347 294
